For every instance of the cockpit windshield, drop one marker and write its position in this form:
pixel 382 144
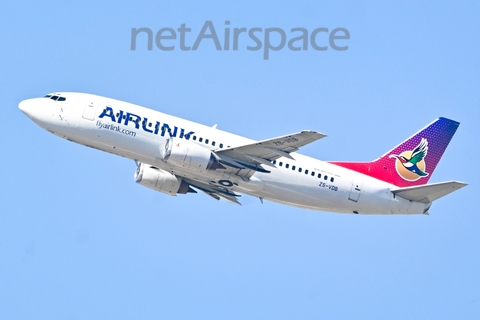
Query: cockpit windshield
pixel 55 97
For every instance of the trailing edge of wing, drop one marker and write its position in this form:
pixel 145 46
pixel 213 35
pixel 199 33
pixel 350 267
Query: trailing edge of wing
pixel 429 192
pixel 241 165
pixel 214 192
pixel 219 195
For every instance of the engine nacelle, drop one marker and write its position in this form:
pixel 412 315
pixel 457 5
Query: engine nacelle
pixel 189 155
pixel 159 180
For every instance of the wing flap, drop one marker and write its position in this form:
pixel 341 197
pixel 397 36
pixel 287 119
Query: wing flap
pixel 213 191
pixel 429 192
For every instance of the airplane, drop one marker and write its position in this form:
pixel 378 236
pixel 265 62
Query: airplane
pixel 177 156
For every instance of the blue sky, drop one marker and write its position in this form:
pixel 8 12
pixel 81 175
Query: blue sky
pixel 80 240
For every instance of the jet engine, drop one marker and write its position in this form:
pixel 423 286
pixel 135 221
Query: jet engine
pixel 189 155
pixel 160 180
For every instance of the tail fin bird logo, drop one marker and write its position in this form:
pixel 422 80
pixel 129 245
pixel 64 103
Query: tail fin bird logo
pixel 410 164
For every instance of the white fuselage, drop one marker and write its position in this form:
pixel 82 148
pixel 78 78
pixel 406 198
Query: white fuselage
pixel 338 189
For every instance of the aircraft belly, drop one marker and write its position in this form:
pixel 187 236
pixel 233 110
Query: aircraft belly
pixel 302 195
pixel 371 201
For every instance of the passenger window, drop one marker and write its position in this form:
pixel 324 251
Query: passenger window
pixel 299 169
pixel 221 145
pixel 280 164
pixel 213 143
pixel 274 161
pixel 331 179
pixel 200 140
pixel 206 141
pixel 150 124
pixel 293 167
pixel 313 173
pixel 194 138
pixel 325 178
pixel 287 165
pixel 306 171
pixel 319 176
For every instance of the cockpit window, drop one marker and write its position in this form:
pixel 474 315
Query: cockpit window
pixel 56 98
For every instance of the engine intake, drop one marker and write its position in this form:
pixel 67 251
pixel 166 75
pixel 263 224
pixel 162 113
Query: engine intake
pixel 160 180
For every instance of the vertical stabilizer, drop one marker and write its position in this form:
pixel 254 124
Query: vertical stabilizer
pixel 413 161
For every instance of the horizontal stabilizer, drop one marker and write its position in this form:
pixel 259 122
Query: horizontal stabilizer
pixel 429 192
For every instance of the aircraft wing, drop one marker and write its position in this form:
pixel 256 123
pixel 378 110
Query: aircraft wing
pixel 214 191
pixel 263 152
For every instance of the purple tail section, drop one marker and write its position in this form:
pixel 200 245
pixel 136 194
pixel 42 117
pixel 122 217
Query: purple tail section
pixel 412 162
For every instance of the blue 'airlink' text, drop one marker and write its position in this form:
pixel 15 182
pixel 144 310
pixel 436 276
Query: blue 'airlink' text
pixel 129 119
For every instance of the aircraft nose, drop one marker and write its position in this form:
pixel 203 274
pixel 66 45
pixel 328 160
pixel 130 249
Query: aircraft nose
pixel 28 107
